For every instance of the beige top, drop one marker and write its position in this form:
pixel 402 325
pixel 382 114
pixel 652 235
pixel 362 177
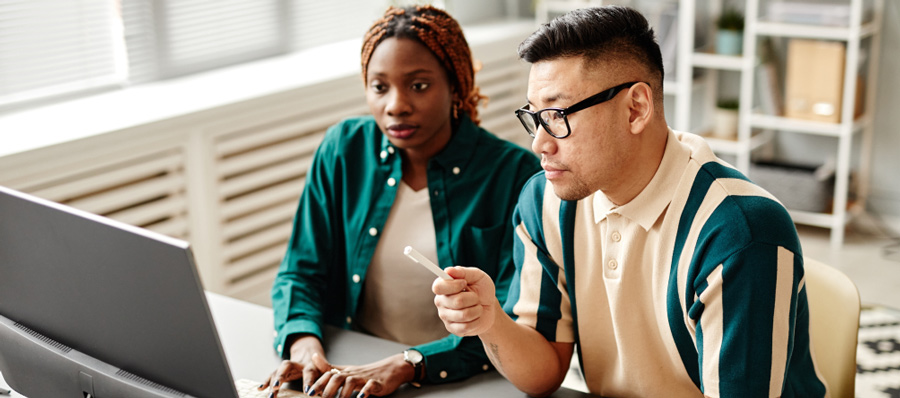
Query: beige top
pixel 397 302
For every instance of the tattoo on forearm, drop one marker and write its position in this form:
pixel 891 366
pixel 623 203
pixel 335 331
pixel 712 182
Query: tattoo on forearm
pixel 494 353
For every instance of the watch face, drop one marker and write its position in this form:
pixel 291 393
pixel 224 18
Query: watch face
pixel 414 356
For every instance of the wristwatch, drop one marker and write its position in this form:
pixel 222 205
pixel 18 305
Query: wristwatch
pixel 417 360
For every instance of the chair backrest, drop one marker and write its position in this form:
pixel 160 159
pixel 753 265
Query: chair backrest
pixel 833 325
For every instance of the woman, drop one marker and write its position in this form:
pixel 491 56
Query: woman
pixel 418 172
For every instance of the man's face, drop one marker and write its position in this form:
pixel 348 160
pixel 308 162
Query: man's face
pixel 593 156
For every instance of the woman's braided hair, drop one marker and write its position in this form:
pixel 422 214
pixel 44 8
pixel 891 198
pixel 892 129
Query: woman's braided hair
pixel 438 31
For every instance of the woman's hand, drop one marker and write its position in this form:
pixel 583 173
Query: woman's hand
pixel 374 379
pixel 301 365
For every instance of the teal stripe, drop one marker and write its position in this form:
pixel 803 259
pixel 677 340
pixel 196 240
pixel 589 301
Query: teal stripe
pixel 567 214
pixel 748 301
pixel 529 212
pixel 707 174
pixel 800 379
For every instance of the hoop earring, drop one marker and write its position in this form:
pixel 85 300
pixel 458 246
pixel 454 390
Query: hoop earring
pixel 455 110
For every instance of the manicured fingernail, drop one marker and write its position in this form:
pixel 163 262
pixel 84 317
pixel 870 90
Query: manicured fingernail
pixel 361 395
pixel 306 389
pixel 277 382
pixel 311 392
pixel 272 395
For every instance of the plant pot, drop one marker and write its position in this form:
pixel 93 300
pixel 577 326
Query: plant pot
pixel 729 42
pixel 725 124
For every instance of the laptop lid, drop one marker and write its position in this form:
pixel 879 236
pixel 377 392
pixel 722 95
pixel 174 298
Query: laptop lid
pixel 126 296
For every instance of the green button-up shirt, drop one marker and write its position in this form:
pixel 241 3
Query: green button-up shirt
pixel 473 183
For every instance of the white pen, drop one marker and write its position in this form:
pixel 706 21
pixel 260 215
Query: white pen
pixel 419 258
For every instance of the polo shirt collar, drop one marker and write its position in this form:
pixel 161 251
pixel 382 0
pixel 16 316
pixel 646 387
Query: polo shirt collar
pixel 649 205
pixel 458 151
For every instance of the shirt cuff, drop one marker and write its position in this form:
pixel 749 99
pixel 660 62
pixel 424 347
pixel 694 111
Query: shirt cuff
pixel 299 326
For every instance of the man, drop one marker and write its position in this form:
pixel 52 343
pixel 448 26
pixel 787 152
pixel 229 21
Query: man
pixel 673 274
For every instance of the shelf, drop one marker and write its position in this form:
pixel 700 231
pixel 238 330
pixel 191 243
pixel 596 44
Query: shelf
pixel 803 126
pixel 823 220
pixel 795 30
pixel 733 147
pixel 717 61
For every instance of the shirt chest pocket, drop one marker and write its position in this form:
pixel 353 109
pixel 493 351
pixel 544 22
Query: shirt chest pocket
pixel 482 247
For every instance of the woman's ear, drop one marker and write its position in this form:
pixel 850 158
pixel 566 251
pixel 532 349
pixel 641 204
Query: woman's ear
pixel 640 104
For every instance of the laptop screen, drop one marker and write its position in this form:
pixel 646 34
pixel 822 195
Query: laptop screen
pixel 125 296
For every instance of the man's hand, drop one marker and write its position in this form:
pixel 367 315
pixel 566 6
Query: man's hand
pixel 302 350
pixel 467 304
pixel 378 378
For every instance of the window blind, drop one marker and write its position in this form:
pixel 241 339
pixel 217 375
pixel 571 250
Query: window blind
pixel 51 47
pixel 196 35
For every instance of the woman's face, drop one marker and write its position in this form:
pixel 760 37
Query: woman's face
pixel 409 94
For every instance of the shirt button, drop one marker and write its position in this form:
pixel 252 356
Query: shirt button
pixel 613 264
pixel 280 348
pixel 437 193
pixel 391 150
pixel 349 320
pixel 456 170
pixel 373 231
pixel 392 181
pixel 383 154
pixel 355 278
pixel 485 367
pixel 274 334
pixel 443 374
pixel 616 236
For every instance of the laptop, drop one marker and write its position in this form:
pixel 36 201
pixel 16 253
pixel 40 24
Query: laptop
pixel 97 308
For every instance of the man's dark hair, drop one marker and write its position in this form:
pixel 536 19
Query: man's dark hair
pixel 597 33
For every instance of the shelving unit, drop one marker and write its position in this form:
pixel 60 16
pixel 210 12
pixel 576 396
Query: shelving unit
pixel 853 36
pixel 695 94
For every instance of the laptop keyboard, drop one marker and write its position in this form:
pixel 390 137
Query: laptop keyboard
pixel 247 389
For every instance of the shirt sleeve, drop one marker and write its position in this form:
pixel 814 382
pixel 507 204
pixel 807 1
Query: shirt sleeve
pixel 298 292
pixel 755 298
pixel 538 295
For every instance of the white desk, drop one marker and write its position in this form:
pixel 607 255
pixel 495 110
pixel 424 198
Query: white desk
pixel 246 333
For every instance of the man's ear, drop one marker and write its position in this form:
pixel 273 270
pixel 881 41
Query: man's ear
pixel 640 104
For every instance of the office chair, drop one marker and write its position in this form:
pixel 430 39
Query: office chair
pixel 833 325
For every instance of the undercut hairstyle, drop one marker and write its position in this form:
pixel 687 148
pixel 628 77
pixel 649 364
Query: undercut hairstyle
pixel 441 34
pixel 607 33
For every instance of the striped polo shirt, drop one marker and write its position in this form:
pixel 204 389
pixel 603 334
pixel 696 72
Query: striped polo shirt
pixel 693 288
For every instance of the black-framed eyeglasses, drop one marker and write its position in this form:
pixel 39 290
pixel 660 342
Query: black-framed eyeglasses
pixel 555 120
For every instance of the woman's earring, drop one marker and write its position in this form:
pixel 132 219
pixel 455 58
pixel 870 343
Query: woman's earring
pixel 455 110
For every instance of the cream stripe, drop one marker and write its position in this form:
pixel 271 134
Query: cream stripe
pixel 738 187
pixel 781 326
pixel 529 282
pixel 712 200
pixel 712 324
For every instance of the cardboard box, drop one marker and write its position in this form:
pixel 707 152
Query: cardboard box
pixel 815 80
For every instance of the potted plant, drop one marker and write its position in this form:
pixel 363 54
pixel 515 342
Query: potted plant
pixel 730 37
pixel 726 119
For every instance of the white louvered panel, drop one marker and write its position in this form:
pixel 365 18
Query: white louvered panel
pixel 286 191
pixel 262 178
pixel 152 212
pixel 316 121
pixel 260 261
pixel 131 195
pixel 304 146
pixel 254 289
pixel 276 214
pixel 320 22
pixel 277 234
pixel 111 175
pixel 176 227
